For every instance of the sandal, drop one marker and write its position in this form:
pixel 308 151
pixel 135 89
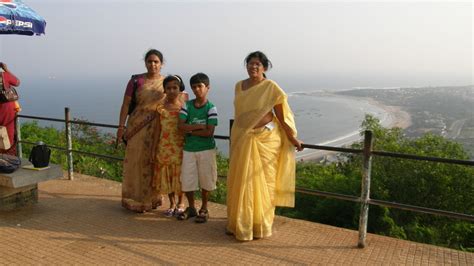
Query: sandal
pixel 169 212
pixel 178 211
pixel 202 217
pixel 188 213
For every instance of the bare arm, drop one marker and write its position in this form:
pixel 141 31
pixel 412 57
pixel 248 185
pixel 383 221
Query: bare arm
pixel 123 117
pixel 187 128
pixel 208 131
pixel 288 131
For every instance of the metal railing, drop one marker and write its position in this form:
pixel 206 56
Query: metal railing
pixel 366 152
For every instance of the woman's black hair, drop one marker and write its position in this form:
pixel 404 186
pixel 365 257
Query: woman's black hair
pixel 261 57
pixel 170 78
pixel 154 52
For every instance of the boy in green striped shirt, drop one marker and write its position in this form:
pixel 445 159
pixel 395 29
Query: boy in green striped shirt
pixel 197 119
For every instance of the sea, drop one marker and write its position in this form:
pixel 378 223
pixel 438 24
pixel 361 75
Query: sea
pixel 322 117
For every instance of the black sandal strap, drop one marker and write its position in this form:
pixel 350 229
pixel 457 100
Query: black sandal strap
pixel 203 216
pixel 188 213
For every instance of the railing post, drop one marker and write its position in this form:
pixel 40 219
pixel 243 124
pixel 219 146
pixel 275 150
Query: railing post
pixel 19 148
pixel 365 187
pixel 69 145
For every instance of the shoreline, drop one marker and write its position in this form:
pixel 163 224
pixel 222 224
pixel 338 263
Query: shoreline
pixel 399 117
pixel 395 117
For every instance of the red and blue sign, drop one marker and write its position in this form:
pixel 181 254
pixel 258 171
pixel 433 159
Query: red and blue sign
pixel 18 18
pixel 8 3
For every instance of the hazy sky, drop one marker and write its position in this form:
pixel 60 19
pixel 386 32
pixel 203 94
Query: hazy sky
pixel 312 44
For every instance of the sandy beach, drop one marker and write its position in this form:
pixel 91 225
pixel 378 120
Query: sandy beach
pixel 394 117
pixel 397 116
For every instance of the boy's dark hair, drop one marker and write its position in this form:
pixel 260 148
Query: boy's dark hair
pixel 199 78
pixel 170 78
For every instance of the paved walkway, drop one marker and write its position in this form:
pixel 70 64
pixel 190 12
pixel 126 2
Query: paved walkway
pixel 81 222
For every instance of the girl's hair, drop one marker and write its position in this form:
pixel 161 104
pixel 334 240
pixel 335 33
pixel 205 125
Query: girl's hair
pixel 154 52
pixel 170 78
pixel 261 57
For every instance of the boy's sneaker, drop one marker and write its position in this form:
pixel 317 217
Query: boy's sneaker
pixel 188 213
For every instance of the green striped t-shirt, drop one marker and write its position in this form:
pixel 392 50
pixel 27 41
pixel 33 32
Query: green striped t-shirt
pixel 204 115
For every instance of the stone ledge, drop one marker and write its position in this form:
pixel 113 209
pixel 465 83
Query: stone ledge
pixel 6 191
pixel 24 177
pixel 19 198
pixel 20 188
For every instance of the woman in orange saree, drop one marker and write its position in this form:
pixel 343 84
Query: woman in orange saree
pixel 262 156
pixel 137 192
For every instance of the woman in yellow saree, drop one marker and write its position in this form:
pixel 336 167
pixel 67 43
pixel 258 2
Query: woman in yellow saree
pixel 262 156
pixel 137 192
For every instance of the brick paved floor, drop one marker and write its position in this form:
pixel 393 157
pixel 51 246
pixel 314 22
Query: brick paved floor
pixel 81 222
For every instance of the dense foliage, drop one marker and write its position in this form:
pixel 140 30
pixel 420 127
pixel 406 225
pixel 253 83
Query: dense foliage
pixel 427 184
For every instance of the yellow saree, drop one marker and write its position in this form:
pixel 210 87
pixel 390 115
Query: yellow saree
pixel 262 162
pixel 137 192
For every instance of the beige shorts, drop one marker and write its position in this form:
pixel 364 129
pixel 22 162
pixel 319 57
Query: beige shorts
pixel 199 169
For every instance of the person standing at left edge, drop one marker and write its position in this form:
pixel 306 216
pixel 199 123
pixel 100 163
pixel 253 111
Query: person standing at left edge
pixel 8 110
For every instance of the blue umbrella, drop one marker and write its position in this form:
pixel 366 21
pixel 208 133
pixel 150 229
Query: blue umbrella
pixel 18 18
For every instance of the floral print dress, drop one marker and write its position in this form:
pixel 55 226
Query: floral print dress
pixel 169 154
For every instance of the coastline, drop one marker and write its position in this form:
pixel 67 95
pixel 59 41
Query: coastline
pixel 398 117
pixel 395 117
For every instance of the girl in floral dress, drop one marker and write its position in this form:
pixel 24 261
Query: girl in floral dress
pixel 168 145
